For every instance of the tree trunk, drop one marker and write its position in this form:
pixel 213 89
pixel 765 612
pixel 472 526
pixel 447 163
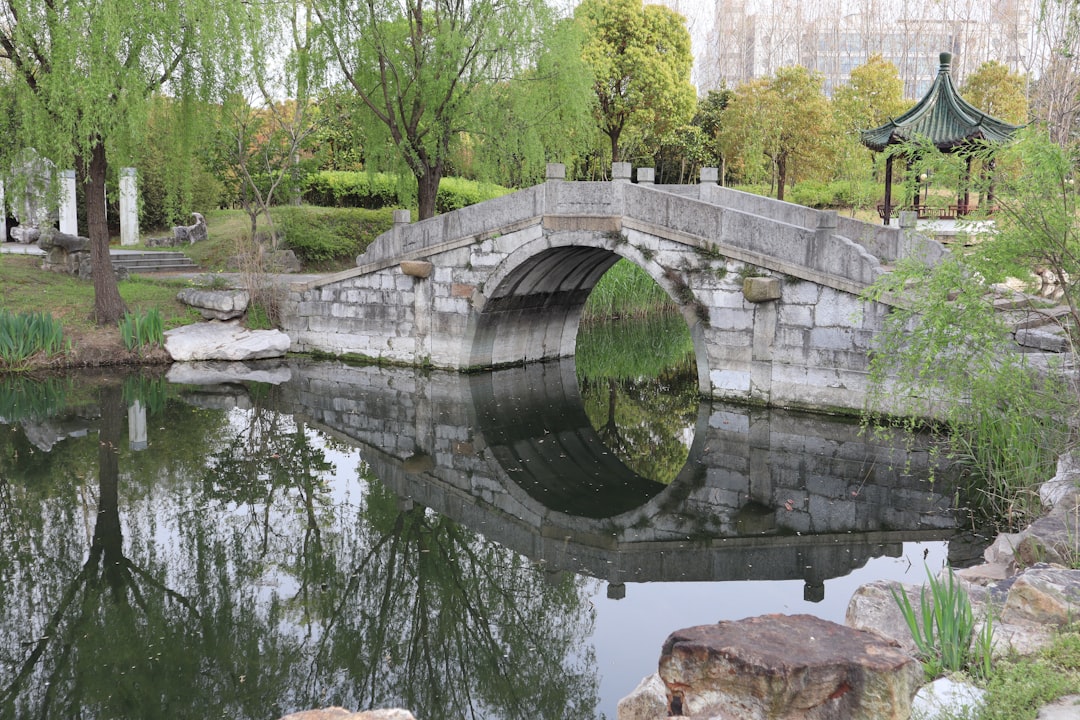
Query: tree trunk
pixel 108 305
pixel 613 135
pixel 427 190
pixel 781 176
pixel 108 534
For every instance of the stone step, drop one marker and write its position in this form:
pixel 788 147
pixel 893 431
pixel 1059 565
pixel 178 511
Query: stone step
pixel 145 262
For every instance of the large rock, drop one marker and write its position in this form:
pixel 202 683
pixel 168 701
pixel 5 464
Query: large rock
pixel 191 233
pixel 783 667
pixel 648 701
pixel 216 304
pixel 224 341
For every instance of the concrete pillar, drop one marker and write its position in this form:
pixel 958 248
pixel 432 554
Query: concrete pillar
pixel 69 211
pixel 620 171
pixel 646 176
pixel 401 217
pixel 137 426
pixel 555 171
pixel 129 208
pixel 3 216
pixel 710 175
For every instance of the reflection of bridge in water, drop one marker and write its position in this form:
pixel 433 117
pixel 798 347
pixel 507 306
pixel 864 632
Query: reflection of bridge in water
pixel 764 495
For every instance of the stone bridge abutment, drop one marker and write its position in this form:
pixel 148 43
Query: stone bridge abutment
pixel 771 292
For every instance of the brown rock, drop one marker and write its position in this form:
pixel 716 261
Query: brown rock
pixel 783 667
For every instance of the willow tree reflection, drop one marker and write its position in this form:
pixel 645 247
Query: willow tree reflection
pixel 434 617
pixel 78 617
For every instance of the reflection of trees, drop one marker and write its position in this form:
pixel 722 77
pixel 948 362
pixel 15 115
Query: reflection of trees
pixel 440 620
pixel 639 387
pixel 644 420
pixel 260 587
pixel 85 654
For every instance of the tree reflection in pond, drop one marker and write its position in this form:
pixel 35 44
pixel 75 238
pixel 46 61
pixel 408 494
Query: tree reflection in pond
pixel 280 575
pixel 639 385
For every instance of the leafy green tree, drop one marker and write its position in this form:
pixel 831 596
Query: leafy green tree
pixel 787 119
pixel 998 91
pixel 84 71
pixel 641 61
pixel 417 66
pixel 874 94
pixel 545 114
pixel 947 354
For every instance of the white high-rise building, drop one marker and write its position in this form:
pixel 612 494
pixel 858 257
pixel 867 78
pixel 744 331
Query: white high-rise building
pixel 754 38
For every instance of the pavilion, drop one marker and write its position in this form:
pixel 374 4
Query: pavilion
pixel 951 123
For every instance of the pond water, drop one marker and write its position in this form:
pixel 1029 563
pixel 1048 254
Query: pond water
pixel 249 541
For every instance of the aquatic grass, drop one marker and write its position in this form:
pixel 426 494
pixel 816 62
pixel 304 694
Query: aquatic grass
pixel 142 330
pixel 622 349
pixel 943 628
pixel 25 334
pixel 1008 455
pixel 626 290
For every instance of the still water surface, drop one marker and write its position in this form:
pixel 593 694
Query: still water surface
pixel 515 544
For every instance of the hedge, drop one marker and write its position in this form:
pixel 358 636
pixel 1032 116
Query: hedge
pixel 343 189
pixel 319 234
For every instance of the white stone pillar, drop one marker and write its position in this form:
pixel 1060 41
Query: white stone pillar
pixel 69 212
pixel 137 426
pixel 3 216
pixel 129 208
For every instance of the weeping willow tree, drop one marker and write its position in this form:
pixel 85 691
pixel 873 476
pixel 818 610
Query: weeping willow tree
pixel 422 69
pixel 81 75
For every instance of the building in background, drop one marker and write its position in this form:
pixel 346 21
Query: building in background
pixel 753 38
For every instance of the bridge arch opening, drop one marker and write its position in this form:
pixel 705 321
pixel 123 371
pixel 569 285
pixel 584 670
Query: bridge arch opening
pixel 532 311
pixel 533 302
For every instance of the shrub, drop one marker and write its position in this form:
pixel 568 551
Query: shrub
pixel 456 193
pixel 336 188
pixel 323 234
pixel 345 189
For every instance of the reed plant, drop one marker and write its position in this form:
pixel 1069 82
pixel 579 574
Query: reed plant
pixel 944 628
pixel 626 291
pixel 24 399
pixel 25 334
pixel 142 330
pixel 1007 455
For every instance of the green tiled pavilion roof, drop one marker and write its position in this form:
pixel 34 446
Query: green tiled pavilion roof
pixel 944 117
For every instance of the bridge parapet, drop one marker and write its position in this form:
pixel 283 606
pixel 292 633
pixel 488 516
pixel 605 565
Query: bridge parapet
pixel 774 234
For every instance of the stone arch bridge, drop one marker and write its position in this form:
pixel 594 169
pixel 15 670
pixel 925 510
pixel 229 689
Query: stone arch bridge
pixel 771 291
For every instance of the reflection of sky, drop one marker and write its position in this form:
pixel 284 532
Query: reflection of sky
pixel 631 632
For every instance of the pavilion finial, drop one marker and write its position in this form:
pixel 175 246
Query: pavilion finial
pixel 946 61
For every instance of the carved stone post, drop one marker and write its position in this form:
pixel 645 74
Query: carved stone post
pixel 69 212
pixel 129 208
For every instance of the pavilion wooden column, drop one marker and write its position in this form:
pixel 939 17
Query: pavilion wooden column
pixel 888 189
